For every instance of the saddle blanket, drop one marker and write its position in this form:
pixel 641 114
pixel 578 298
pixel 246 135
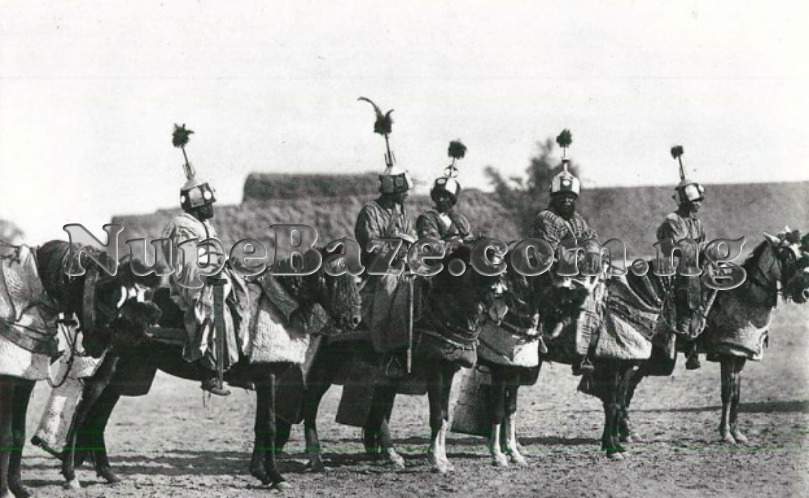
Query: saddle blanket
pixel 629 324
pixel 269 339
pixel 501 347
pixel 737 328
pixel 27 317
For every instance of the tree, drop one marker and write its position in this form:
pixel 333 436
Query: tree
pixel 526 197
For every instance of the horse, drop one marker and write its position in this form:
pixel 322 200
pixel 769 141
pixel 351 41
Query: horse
pixel 577 312
pixel 775 262
pixel 446 305
pixel 107 309
pixel 510 351
pixel 130 373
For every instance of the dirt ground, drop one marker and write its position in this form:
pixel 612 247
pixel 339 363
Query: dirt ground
pixel 169 444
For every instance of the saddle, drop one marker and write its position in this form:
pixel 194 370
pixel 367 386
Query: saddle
pixel 27 314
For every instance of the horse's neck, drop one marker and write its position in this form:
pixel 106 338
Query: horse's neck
pixel 763 276
pixel 457 305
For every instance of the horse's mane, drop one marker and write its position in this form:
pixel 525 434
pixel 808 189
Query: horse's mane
pixel 755 255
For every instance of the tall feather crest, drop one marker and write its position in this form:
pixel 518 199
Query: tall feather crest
pixel 384 122
pixel 180 136
pixel 565 138
pixel 456 149
pixel 180 139
pixel 677 151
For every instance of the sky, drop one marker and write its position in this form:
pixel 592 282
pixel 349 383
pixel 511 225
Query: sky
pixel 89 93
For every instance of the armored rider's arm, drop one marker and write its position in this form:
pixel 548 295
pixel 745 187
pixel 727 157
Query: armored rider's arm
pixel 545 229
pixel 427 226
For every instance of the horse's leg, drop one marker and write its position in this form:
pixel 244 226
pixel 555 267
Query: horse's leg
pixel 22 394
pixel 7 388
pixel 625 432
pixel 497 401
pixel 735 398
pixel 625 373
pixel 726 367
pixel 434 378
pixel 93 388
pixel 95 426
pixel 316 387
pixel 377 430
pixel 512 447
pixel 282 431
pixel 263 464
pixel 446 392
pixel 609 442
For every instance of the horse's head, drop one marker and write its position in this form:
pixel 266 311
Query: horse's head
pixel 564 290
pixel 469 288
pixel 791 263
pixel 102 303
pixel 336 290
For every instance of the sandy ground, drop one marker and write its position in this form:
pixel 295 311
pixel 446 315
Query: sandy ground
pixel 169 444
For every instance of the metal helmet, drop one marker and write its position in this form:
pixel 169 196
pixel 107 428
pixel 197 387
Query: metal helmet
pixel 448 182
pixel 394 180
pixel 195 192
pixel 565 181
pixel 687 190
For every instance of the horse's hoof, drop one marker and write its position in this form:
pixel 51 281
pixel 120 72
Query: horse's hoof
pixel 631 438
pixel 449 465
pixel 739 437
pixel 616 457
pixel 518 459
pixel 261 475
pixel 108 475
pixel 19 490
pixel 281 486
pixel 396 460
pixel 72 484
pixel 316 465
pixel 440 468
pixel 727 438
pixel 499 460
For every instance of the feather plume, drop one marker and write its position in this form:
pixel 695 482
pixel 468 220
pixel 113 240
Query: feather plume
pixel 384 122
pixel 565 138
pixel 180 136
pixel 677 151
pixel 456 149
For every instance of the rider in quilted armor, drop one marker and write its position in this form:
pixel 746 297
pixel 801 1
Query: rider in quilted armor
pixel 560 222
pixel 683 230
pixel 444 222
pixel 197 199
pixel 384 296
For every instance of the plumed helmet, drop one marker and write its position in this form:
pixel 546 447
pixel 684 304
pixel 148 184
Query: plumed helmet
pixel 394 180
pixel 687 190
pixel 448 181
pixel 565 181
pixel 448 185
pixel 195 192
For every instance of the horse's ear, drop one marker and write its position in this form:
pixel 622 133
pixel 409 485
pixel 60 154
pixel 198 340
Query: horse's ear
pixel 772 239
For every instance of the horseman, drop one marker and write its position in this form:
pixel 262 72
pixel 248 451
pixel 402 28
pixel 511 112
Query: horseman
pixel 384 297
pixel 204 346
pixel 560 224
pixel 444 222
pixel 684 231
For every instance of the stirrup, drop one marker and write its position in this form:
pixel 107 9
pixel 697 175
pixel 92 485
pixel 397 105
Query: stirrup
pixel 212 387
